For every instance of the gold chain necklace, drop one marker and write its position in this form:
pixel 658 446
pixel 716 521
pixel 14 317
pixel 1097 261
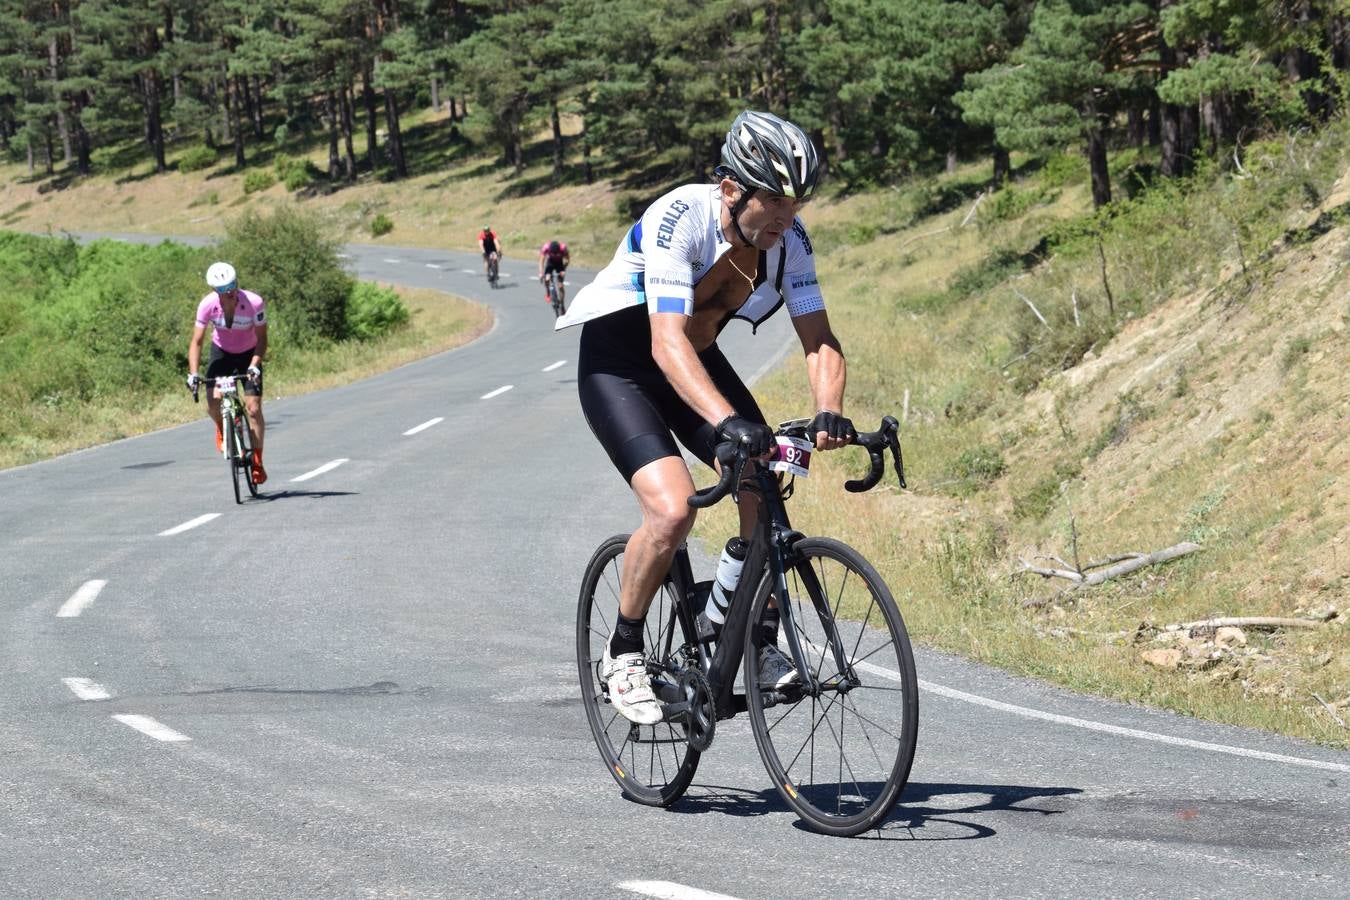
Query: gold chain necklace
pixel 750 279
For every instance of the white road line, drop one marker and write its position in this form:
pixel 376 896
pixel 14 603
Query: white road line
pixel 472 272
pixel 148 726
pixel 326 467
pixel 179 529
pixel 81 599
pixel 954 694
pixel 87 689
pixel 669 890
pixel 432 266
pixel 424 426
pixel 557 365
pixel 499 391
pixel 394 261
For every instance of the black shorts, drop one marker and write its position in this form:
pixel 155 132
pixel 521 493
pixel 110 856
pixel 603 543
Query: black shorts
pixel 489 251
pixel 220 364
pixel 631 407
pixel 559 267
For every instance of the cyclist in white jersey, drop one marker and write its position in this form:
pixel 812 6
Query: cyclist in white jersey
pixel 650 370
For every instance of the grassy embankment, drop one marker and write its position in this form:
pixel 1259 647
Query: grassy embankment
pixel 1188 383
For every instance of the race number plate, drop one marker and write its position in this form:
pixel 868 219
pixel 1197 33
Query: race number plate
pixel 792 455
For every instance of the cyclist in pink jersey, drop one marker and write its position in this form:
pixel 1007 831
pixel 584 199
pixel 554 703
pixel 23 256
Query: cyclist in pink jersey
pixel 238 320
pixel 554 257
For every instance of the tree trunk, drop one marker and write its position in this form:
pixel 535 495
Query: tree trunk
pixel 435 94
pixel 154 126
pixel 259 123
pixel 348 126
pixel 372 145
pixel 1002 167
pixel 47 152
pixel 233 102
pixel 53 57
pixel 1135 127
pixel 395 135
pixel 557 144
pixel 1154 121
pixel 1101 175
pixel 952 160
pixel 587 171
pixel 334 161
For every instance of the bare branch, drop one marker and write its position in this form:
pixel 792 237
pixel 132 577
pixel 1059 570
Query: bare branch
pixel 1034 310
pixel 1331 709
pixel 970 215
pixel 1269 623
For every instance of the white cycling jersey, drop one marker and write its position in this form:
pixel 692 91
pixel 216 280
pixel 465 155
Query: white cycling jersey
pixel 674 245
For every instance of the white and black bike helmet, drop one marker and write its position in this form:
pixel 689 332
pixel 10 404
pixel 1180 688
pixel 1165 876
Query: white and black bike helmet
pixel 221 275
pixel 764 151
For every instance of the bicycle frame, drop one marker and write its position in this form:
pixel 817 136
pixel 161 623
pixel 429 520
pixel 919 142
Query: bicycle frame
pixel 769 555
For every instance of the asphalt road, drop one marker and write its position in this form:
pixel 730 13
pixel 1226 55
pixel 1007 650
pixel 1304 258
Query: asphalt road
pixel 362 684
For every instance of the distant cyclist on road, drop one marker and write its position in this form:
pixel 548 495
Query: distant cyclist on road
pixel 238 320
pixel 554 257
pixel 490 245
pixel 650 371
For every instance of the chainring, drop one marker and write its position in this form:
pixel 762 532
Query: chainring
pixel 701 721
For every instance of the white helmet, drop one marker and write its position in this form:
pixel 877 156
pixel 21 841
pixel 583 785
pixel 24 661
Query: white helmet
pixel 221 275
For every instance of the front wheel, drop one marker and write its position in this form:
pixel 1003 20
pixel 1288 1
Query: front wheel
pixel 653 764
pixel 839 754
pixel 234 449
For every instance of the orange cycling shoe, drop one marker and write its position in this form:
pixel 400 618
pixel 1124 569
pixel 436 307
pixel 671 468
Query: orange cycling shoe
pixel 220 440
pixel 259 473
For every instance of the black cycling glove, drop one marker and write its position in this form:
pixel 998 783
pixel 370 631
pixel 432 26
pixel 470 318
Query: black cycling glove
pixel 833 424
pixel 755 437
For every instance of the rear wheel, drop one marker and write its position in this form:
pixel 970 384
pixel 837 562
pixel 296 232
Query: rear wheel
pixel 653 764
pixel 839 758
pixel 246 442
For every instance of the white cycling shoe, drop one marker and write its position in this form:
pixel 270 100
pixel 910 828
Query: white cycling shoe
pixel 630 687
pixel 775 669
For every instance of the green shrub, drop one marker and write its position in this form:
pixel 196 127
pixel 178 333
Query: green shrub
pixel 977 467
pixel 298 178
pixel 290 259
pixel 381 225
pixel 196 159
pixel 373 311
pixel 258 180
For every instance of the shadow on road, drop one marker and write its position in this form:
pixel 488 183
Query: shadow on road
pixel 292 495
pixel 921 814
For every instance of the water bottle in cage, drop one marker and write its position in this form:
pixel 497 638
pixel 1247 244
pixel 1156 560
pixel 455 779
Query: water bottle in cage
pixel 724 585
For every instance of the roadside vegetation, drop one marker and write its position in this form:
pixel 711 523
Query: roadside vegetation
pixel 93 338
pixel 1093 254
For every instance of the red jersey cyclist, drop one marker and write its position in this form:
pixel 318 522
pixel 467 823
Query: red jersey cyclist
pixel 554 257
pixel 238 320
pixel 490 245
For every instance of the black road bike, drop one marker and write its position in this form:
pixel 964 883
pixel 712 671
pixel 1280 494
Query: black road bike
pixel 237 443
pixel 551 287
pixel 492 269
pixel 839 741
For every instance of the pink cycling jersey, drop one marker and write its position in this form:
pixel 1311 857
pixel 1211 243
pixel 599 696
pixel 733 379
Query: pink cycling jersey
pixel 555 257
pixel 238 335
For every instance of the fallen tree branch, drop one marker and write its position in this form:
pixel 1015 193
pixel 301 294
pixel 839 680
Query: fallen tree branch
pixel 919 237
pixel 1267 623
pixel 970 215
pixel 1119 565
pixel 1331 709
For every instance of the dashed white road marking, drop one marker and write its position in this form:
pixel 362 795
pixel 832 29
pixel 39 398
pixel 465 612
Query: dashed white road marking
pixel 151 728
pixel 81 599
pixel 394 261
pixel 670 890
pixel 432 266
pixel 473 272
pixel 557 365
pixel 954 694
pixel 326 467
pixel 86 688
pixel 424 426
pixel 193 523
pixel 499 391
